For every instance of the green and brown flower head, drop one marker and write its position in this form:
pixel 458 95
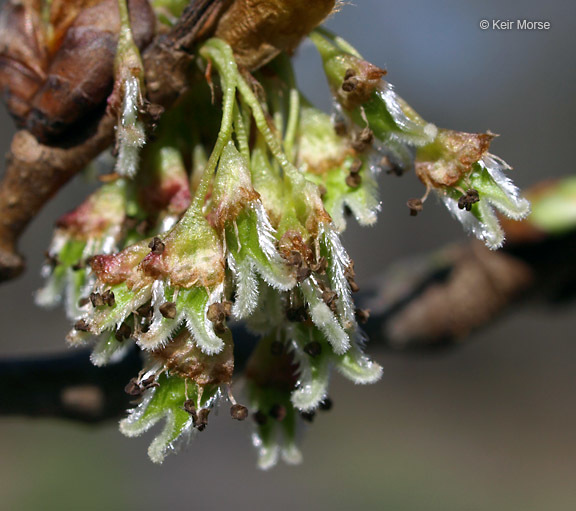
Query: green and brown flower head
pixel 227 209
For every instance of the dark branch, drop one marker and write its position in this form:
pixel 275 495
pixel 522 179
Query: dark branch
pixel 66 386
pixel 446 301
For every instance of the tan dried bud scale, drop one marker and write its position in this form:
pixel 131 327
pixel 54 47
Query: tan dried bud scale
pixel 55 73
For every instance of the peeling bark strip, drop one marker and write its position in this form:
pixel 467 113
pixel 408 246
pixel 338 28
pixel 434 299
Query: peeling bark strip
pixel 52 74
pixel 35 172
pixel 168 61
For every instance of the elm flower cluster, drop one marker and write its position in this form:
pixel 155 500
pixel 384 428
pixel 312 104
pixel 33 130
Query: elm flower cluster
pixel 241 235
pixel 457 166
pixel 230 214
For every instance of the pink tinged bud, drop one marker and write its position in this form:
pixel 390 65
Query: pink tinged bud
pixel 166 185
pixel 103 210
pixel 121 267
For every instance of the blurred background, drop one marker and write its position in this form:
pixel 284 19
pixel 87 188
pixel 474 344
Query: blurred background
pixel 487 426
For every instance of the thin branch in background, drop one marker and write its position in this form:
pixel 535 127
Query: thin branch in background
pixel 449 295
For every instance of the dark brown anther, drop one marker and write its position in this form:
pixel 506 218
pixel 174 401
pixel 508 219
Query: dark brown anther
pixel 150 382
pixel 168 310
pixel 467 200
pixel 314 349
pixel 296 314
pixel 349 85
pixel 278 412
pixel 322 190
pixel 390 166
pixel 145 310
pixel 217 314
pixel 80 265
pixel 356 166
pixel 96 300
pixel 350 274
pixel 362 315
pixel 83 301
pixel 326 404
pixel 260 418
pixel 320 265
pixel 201 419
pixel 133 388
pixel 329 297
pixel 366 136
pixel 227 308
pixel 353 180
pixel 82 325
pixel 363 140
pixel 295 258
pixel 124 332
pixel 303 273
pixel 350 81
pixel 190 407
pixel 239 412
pixel 308 416
pixel 415 206
pixel 276 348
pixel 153 112
pixel 109 298
pixel 340 127
pixel 219 328
pixel 156 246
pixel 51 259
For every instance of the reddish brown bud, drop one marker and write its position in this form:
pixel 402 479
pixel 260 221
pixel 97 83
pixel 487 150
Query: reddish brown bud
pixel 54 74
